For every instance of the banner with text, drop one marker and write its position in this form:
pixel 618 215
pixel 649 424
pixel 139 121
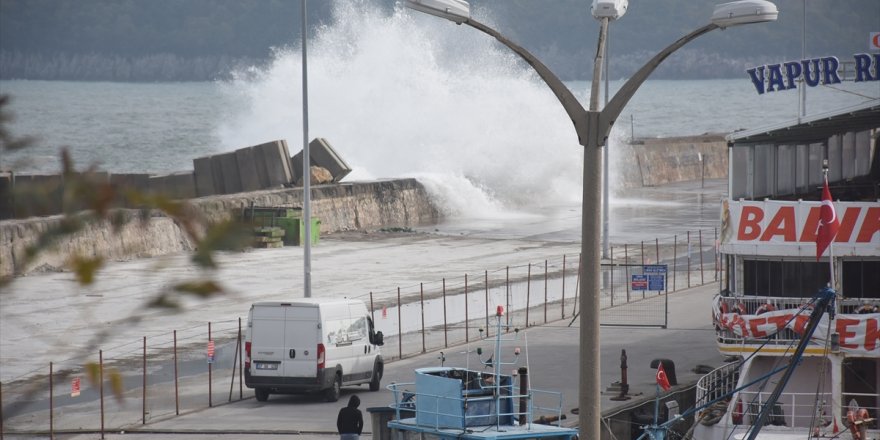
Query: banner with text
pixel 781 228
pixel 858 333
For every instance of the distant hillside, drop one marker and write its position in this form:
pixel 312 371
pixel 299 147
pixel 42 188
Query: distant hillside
pixel 165 40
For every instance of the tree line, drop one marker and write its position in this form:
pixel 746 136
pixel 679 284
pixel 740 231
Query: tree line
pixel 161 40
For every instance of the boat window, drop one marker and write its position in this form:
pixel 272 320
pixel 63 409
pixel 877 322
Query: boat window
pixel 860 383
pixel 790 279
pixel 861 279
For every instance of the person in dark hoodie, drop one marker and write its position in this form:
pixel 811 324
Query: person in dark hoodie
pixel 350 421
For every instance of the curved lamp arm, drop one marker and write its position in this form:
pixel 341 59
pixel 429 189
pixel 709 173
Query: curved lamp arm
pixel 611 111
pixel 575 110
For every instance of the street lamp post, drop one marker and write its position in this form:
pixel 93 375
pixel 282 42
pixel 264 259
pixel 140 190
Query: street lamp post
pixel 306 170
pixel 592 128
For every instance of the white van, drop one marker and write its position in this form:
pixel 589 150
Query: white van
pixel 311 345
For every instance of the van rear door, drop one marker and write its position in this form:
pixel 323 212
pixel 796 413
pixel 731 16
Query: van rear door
pixel 302 336
pixel 267 340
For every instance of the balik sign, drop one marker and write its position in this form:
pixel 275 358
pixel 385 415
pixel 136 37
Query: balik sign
pixel 813 71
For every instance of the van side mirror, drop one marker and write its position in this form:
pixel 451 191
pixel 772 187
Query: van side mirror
pixel 377 339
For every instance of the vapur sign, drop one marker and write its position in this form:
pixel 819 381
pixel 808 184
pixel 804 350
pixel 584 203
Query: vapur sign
pixel 783 228
pixel 814 71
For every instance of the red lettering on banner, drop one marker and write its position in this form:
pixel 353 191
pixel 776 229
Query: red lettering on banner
pixel 811 225
pixel 870 225
pixel 783 223
pixel 780 321
pixel 738 321
pixel 847 224
pixel 750 219
pixel 753 325
pixel 800 323
pixel 846 336
pixel 872 334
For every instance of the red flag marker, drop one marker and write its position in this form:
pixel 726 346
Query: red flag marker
pixel 828 222
pixel 662 380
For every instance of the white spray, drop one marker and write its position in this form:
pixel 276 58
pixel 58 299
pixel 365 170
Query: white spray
pixel 402 94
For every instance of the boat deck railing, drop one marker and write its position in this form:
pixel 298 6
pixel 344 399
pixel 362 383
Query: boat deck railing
pixel 717 384
pixel 798 410
pixel 807 409
pixel 756 305
pixel 487 408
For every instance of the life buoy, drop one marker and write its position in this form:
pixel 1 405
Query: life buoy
pixel 764 308
pixel 866 308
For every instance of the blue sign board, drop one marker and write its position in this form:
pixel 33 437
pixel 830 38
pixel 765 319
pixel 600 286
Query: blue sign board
pixel 639 282
pixel 654 268
pixel 657 282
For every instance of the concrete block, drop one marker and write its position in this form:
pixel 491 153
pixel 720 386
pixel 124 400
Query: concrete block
pixel 124 183
pixel 275 158
pixel 247 169
pixel 286 162
pixel 135 181
pixel 6 199
pixel 157 185
pixel 323 155
pixel 229 167
pixel 204 176
pixel 94 177
pixel 180 185
pixel 38 195
pixel 296 164
pixel 217 175
pixel 260 165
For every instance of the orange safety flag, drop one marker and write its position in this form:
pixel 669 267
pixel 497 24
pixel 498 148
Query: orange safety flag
pixel 662 380
pixel 828 222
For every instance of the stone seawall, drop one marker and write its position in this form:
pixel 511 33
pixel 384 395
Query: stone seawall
pixel 342 207
pixel 658 161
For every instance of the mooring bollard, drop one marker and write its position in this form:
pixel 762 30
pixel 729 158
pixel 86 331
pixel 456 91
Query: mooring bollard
pixel 624 386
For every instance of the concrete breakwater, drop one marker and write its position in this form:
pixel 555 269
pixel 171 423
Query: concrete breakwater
pixel 658 161
pixel 340 207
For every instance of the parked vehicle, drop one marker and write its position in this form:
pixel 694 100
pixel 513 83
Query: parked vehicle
pixel 311 345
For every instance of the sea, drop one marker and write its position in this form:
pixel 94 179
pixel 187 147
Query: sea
pixel 396 95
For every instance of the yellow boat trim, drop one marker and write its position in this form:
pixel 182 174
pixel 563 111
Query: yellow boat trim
pixel 781 350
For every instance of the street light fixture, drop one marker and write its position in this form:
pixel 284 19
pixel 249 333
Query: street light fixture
pixel 593 128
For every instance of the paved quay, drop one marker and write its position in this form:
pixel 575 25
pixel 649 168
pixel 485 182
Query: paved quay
pixel 37 328
pixel 550 351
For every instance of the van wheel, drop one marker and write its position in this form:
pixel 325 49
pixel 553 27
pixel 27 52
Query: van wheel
pixel 262 394
pixel 377 376
pixel 332 394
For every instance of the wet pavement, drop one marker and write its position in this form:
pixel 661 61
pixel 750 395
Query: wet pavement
pixel 550 352
pixel 48 317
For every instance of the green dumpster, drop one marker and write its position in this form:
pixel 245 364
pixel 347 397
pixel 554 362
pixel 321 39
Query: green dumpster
pixel 295 230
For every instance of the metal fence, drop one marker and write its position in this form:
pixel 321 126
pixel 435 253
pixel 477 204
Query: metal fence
pixel 168 374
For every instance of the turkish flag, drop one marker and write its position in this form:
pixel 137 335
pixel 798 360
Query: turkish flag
pixel 662 380
pixel 828 222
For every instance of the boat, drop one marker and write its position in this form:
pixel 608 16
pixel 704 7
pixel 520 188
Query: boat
pixel 798 324
pixel 465 403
